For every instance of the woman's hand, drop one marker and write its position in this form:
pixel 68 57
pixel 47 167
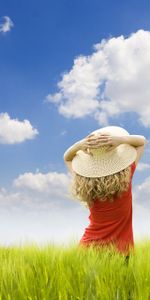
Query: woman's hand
pixel 95 141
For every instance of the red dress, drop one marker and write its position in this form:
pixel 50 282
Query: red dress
pixel 111 222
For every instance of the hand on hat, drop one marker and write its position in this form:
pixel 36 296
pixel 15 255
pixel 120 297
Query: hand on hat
pixel 95 141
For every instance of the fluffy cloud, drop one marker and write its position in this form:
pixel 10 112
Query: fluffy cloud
pixel 142 192
pixel 111 81
pixel 141 222
pixel 31 216
pixel 6 24
pixel 13 131
pixel 143 166
pixel 141 209
pixel 37 191
pixel 52 183
pixel 147 149
pixel 145 186
pixel 37 209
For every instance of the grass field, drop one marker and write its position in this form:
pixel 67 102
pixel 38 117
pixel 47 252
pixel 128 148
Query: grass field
pixel 53 272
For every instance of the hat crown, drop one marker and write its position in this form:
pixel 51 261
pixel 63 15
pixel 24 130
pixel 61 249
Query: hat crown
pixel 114 130
pixel 102 150
pixel 103 162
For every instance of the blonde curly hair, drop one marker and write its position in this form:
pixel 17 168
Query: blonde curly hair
pixel 86 189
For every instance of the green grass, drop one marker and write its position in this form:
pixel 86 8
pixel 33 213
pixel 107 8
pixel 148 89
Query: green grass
pixel 53 272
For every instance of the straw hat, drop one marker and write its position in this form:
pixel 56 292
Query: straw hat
pixel 103 162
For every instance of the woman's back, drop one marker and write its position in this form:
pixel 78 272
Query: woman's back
pixel 112 221
pixel 101 165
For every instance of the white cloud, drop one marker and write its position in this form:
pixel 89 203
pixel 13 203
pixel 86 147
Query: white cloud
pixel 6 24
pixel 144 188
pixel 52 183
pixel 142 192
pixel 37 191
pixel 40 211
pixel 38 217
pixel 142 166
pixel 148 146
pixel 14 131
pixel 115 79
pixel 141 209
pixel 141 221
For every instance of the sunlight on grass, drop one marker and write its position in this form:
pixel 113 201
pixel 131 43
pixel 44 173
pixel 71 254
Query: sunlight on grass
pixel 59 272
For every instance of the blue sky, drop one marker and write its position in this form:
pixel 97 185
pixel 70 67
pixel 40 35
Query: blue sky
pixel 43 41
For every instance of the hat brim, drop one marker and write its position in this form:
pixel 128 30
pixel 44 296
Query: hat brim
pixel 104 163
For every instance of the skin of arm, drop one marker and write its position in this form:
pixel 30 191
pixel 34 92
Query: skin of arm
pixel 71 152
pixel 93 141
pixel 114 141
pixel 133 140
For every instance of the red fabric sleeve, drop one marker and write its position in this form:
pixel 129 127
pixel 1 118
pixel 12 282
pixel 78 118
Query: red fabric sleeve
pixel 133 167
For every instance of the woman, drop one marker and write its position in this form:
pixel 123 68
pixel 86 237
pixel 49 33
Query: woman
pixel 102 165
